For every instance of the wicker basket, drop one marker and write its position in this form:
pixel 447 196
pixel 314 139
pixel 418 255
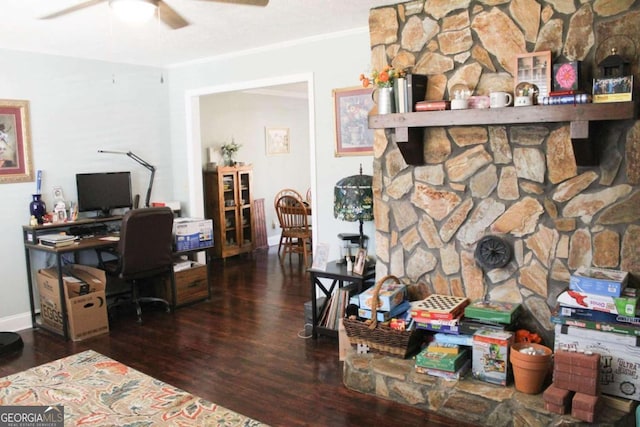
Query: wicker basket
pixel 381 338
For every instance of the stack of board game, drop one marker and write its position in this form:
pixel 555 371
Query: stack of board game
pixel 601 297
pixel 599 313
pixel 439 313
pixel 448 361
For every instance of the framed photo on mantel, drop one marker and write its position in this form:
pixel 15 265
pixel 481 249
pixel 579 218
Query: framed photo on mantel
pixel 534 68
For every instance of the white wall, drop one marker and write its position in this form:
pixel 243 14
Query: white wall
pixel 243 117
pixel 335 62
pixel 76 109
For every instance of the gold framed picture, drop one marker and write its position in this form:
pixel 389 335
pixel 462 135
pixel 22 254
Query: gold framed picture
pixel 361 262
pixel 277 141
pixel 351 108
pixel 15 142
pixel 534 68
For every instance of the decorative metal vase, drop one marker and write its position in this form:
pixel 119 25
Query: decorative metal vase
pixel 383 97
pixel 37 208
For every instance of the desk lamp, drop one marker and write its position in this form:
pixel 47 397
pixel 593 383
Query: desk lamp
pixel 143 163
pixel 353 200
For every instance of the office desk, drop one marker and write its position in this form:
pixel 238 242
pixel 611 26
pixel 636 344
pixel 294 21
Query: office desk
pixel 31 235
pixel 340 276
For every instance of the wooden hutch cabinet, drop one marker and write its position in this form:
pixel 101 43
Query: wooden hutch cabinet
pixel 228 196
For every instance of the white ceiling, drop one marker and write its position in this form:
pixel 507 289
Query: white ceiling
pixel 216 28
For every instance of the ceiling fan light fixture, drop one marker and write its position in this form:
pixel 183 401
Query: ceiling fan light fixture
pixel 133 11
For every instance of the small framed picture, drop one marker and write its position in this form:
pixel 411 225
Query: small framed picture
pixel 534 68
pixel 277 141
pixel 613 89
pixel 361 261
pixel 351 111
pixel 15 142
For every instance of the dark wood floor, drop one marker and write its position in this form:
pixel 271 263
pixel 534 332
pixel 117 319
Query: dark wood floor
pixel 244 349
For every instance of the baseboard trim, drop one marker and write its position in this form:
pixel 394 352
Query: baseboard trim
pixel 17 322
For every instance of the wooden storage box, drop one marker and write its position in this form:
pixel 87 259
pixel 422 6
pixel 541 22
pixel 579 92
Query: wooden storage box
pixel 192 284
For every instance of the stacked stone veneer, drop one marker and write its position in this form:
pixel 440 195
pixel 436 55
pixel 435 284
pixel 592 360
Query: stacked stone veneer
pixel 467 400
pixel 517 181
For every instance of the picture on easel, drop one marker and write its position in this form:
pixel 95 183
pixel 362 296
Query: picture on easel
pixel 361 261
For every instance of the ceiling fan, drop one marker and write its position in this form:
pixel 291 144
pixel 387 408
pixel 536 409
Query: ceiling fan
pixel 165 13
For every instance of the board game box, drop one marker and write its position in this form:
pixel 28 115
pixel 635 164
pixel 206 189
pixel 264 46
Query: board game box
pixel 614 327
pixel 436 306
pixel 625 306
pixel 442 361
pixel 599 281
pixel 447 375
pixel 490 361
pixel 619 364
pixel 389 296
pixel 493 311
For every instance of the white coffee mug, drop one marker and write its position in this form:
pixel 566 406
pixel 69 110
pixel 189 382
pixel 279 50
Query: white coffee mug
pixel 500 99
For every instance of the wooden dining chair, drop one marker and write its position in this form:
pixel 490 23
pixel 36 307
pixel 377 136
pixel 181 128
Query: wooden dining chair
pixel 296 231
pixel 284 192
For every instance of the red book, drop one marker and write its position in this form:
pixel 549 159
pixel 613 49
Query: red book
pixel 432 105
pixel 565 92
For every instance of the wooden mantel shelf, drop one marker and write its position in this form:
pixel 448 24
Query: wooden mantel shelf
pixel 578 115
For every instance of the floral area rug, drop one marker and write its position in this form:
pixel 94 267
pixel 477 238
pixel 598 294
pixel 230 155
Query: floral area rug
pixel 98 391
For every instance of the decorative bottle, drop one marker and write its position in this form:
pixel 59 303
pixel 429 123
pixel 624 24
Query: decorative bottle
pixel 37 208
pixel 349 264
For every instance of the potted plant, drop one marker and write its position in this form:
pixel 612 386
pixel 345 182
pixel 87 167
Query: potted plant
pixel 229 151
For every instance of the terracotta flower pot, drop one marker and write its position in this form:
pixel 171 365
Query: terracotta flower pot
pixel 530 370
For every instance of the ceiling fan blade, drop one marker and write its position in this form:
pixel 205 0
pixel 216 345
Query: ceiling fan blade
pixel 73 8
pixel 245 2
pixel 170 16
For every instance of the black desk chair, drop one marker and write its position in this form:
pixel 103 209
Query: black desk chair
pixel 144 251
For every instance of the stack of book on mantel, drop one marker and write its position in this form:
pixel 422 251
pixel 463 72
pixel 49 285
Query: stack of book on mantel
pixel 600 313
pixel 56 240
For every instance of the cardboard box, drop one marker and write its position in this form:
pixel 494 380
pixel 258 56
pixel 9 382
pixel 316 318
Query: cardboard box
pixel 600 281
pixel 390 295
pixel 491 356
pixel 192 233
pixel 619 364
pixel 86 312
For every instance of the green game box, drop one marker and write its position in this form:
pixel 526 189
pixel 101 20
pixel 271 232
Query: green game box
pixel 494 311
pixel 442 361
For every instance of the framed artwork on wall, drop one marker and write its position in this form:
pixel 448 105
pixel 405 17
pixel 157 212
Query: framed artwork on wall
pixel 15 145
pixel 351 111
pixel 534 68
pixel 277 141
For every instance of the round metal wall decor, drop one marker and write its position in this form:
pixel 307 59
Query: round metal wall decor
pixel 493 252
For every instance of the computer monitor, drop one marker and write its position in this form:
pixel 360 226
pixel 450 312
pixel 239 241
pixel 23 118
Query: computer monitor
pixel 103 191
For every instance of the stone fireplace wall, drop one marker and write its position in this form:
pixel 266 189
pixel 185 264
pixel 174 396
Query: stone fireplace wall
pixel 519 182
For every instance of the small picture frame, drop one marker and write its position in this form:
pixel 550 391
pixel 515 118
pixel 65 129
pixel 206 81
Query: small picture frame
pixel 361 261
pixel 613 89
pixel 15 142
pixel 351 108
pixel 277 141
pixel 534 68
pixel 320 256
